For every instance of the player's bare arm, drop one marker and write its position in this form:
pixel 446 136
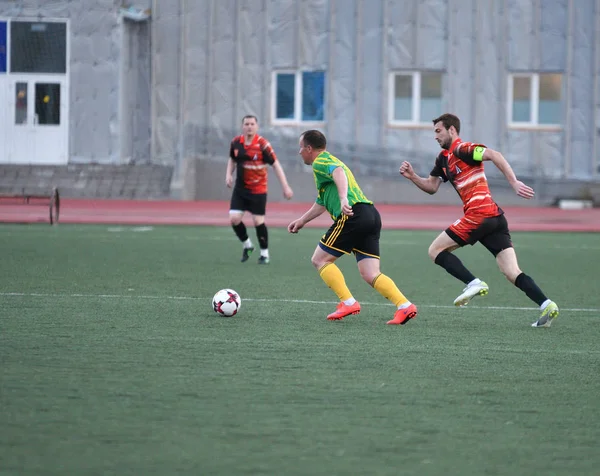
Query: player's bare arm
pixel 313 212
pixel 522 190
pixel 430 184
pixel 287 190
pixel 341 182
pixel 229 173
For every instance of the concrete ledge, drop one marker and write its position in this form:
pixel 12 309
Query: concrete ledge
pixel 139 181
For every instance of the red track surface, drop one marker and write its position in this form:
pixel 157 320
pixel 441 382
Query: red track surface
pixel 419 217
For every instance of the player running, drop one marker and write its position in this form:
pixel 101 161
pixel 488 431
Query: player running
pixel 356 229
pixel 461 163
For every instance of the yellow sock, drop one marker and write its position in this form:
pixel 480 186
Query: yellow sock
pixel 334 278
pixel 388 289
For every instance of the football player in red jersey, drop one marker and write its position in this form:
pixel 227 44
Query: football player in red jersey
pixel 461 164
pixel 251 154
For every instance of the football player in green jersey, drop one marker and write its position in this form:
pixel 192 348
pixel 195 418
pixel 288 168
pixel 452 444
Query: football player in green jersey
pixel 356 229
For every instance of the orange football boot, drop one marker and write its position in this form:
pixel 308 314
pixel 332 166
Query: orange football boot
pixel 402 316
pixel 342 310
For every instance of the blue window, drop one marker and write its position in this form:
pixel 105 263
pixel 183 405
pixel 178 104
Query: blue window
pixel 2 47
pixel 299 97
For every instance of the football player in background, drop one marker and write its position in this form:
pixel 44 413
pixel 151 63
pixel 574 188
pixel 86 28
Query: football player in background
pixel 251 154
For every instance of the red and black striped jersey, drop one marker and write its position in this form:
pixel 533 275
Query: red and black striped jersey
pixel 251 162
pixel 468 179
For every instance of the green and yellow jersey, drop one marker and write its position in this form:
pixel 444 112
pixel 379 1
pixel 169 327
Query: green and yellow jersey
pixel 328 196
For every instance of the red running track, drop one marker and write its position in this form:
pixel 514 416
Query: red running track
pixel 417 217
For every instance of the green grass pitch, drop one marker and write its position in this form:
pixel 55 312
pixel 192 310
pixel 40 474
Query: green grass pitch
pixel 113 362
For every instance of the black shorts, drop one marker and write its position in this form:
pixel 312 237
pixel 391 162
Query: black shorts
pixel 243 200
pixel 491 232
pixel 358 234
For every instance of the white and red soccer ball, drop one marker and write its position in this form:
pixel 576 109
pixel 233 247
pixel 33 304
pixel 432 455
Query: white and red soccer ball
pixel 227 302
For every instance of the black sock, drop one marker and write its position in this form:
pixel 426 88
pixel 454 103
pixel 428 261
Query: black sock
pixel 263 236
pixel 240 231
pixel 527 285
pixel 454 266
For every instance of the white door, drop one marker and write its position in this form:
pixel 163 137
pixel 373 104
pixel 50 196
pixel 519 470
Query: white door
pixel 37 122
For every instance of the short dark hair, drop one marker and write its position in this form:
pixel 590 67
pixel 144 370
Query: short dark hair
pixel 448 120
pixel 249 116
pixel 316 139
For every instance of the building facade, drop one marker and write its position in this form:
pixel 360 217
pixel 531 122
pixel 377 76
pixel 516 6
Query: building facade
pixel 524 76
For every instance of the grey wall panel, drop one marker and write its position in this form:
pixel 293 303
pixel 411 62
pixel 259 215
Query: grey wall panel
pixel 596 95
pixel 197 58
pixel 252 70
pixel 283 33
pixel 461 59
pixel 223 115
pixel 166 48
pixel 313 18
pixel 135 92
pixel 342 71
pixel 582 109
pixel 94 80
pixel 371 75
pixel 400 34
pixel 547 155
pixel 431 33
pixel 518 151
pixel 489 86
pixel 553 35
pixel 522 47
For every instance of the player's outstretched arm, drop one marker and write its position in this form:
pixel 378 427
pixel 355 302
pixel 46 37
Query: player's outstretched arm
pixel 287 190
pixel 313 212
pixel 229 173
pixel 522 190
pixel 430 184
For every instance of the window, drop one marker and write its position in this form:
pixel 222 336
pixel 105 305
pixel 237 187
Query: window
pixel 299 97
pixel 415 97
pixel 47 103
pixel 21 103
pixel 535 99
pixel 38 47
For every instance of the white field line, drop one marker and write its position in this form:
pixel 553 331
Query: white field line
pixel 295 301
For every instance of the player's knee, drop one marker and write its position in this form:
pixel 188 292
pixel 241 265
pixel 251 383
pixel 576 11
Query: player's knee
pixel 433 251
pixel 316 261
pixel 235 220
pixel 369 275
pixel 511 274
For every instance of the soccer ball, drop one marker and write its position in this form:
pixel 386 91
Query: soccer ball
pixel 227 302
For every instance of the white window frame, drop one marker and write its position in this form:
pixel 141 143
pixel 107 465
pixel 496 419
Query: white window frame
pixel 297 119
pixel 416 98
pixel 534 98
